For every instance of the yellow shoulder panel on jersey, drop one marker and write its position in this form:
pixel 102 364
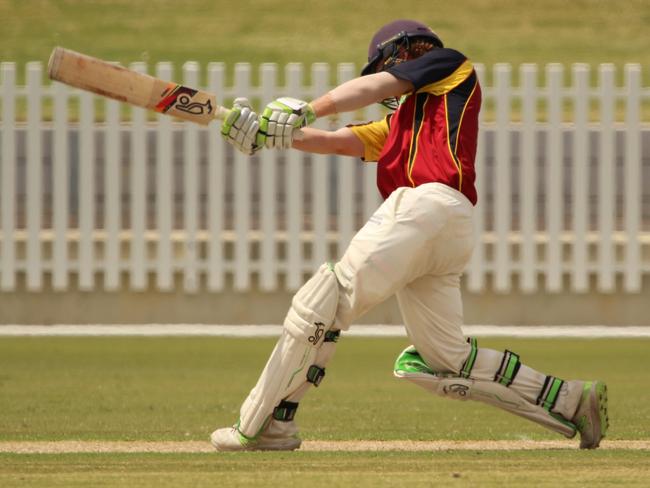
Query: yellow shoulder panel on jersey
pixel 372 135
pixel 452 81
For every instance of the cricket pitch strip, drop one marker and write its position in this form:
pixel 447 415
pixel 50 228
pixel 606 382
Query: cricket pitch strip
pixel 58 447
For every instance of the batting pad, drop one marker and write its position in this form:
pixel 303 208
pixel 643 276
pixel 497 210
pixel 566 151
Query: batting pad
pixel 311 315
pixel 410 366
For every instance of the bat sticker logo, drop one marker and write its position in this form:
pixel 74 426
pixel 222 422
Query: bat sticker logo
pixel 180 98
pixel 318 333
pixel 456 389
pixel 185 104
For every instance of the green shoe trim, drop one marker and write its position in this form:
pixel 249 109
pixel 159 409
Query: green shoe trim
pixel 244 439
pixel 581 422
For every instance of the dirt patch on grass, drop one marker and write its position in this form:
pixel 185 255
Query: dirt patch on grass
pixel 57 447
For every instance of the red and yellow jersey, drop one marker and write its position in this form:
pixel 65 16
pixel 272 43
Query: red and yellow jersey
pixel 432 135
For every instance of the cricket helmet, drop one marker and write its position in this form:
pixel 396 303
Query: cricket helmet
pixel 393 39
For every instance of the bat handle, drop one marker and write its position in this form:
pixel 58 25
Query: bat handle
pixel 223 112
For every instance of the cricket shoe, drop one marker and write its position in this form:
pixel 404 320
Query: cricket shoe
pixel 277 436
pixel 591 418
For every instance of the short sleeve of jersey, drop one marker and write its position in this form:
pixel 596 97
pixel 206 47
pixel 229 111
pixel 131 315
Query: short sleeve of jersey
pixel 440 69
pixel 372 135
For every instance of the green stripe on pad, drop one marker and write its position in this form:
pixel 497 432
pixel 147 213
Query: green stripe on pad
pixel 554 390
pixel 471 359
pixel 511 369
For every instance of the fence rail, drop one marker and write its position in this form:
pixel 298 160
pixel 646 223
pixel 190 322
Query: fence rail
pixel 94 197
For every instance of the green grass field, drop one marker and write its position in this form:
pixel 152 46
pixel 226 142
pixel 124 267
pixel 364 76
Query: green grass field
pixel 327 470
pixel 180 389
pixel 259 31
pixel 514 31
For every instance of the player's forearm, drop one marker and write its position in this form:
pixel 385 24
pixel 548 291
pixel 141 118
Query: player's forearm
pixel 359 93
pixel 341 141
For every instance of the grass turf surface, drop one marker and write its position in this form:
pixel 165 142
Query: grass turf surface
pixel 481 468
pixel 182 388
pixel 160 389
pixel 514 31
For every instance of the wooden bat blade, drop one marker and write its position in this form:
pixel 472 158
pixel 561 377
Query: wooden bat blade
pixel 120 83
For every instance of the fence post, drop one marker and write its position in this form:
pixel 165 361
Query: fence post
pixel 138 175
pixel 528 216
pixel 8 178
pixel 191 189
pixel 86 190
pixel 580 177
pixel 164 191
pixel 294 189
pixel 268 191
pixel 216 200
pixel 242 191
pixel 554 179
pixel 34 177
pixel 606 176
pixel 502 188
pixel 113 202
pixel 345 171
pixel 320 178
pixel 632 178
pixel 476 268
pixel 61 191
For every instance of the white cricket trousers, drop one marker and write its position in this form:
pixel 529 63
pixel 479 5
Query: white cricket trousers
pixel 416 245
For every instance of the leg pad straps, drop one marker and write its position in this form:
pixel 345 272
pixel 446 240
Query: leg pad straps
pixel 466 369
pixel 550 392
pixel 315 373
pixel 510 365
pixel 508 368
pixel 285 411
pixel 411 366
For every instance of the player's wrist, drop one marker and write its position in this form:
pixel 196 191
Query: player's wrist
pixel 324 106
pixel 281 119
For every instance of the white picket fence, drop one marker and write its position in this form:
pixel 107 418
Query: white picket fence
pixel 132 202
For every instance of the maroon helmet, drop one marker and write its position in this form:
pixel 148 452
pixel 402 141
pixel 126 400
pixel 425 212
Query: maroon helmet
pixel 387 41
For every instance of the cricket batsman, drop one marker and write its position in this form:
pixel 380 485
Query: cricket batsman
pixel 415 246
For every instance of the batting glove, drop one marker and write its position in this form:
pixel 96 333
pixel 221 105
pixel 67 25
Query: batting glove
pixel 282 118
pixel 241 127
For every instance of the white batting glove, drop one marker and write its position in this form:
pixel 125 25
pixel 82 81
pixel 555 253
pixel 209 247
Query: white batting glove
pixel 241 127
pixel 281 119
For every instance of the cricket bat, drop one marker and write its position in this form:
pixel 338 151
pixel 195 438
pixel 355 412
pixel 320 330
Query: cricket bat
pixel 128 86
pixel 125 85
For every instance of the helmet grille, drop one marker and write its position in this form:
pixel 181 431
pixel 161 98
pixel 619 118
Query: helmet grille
pixel 393 42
